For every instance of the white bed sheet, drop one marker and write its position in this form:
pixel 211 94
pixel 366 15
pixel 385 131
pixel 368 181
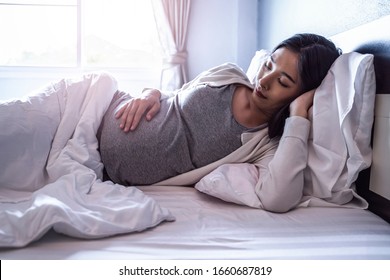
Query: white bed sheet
pixel 207 228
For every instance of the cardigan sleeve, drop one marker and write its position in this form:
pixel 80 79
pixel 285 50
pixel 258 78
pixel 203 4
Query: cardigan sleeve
pixel 281 175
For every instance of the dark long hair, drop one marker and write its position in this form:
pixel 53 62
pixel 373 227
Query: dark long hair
pixel 316 56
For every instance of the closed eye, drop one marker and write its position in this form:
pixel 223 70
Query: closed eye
pixel 282 84
pixel 284 73
pixel 267 65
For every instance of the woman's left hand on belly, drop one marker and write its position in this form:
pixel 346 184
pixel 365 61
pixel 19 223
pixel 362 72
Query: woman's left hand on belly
pixel 132 112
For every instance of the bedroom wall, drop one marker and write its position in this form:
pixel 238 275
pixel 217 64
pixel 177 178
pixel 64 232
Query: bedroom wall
pixel 232 30
pixel 279 19
pixel 221 31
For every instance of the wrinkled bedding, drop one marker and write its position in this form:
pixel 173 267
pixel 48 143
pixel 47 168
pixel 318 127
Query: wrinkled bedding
pixel 50 175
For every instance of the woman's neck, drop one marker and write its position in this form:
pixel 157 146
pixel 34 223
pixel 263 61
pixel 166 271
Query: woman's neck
pixel 244 112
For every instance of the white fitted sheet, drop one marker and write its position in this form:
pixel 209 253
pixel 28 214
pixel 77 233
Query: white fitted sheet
pixel 207 228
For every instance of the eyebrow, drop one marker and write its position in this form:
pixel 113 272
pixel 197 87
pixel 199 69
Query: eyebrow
pixel 284 73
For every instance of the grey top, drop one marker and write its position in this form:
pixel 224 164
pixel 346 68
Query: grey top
pixel 193 128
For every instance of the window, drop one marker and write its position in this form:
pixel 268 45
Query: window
pixel 38 33
pixel 78 34
pixel 120 35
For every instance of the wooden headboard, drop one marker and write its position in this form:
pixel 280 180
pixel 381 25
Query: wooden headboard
pixel 372 38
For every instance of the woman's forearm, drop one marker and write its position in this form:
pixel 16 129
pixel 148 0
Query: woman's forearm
pixel 281 177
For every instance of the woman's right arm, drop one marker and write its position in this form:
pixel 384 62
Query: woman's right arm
pixel 132 112
pixel 281 175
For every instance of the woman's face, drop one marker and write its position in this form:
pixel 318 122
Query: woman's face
pixel 278 81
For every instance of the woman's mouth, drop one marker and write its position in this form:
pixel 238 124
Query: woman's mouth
pixel 259 93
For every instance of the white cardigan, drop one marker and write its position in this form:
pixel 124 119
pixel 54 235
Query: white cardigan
pixel 255 145
pixel 279 173
pixel 309 166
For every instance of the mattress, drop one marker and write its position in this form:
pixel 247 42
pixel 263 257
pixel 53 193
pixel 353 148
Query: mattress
pixel 208 228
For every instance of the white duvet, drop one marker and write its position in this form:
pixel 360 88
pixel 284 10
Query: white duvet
pixel 50 168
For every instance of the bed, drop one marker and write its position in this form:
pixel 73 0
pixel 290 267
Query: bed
pixel 202 226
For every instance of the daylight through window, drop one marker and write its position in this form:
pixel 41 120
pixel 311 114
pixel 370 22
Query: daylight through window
pixel 78 33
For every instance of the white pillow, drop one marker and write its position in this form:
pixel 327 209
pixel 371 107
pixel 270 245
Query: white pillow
pixel 232 183
pixel 256 62
pixel 342 122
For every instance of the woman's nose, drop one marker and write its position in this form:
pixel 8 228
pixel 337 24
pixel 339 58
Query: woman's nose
pixel 264 82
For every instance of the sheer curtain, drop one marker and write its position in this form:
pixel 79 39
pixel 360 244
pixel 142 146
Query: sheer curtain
pixel 172 19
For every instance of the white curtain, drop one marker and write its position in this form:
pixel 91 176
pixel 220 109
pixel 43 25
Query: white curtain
pixel 172 19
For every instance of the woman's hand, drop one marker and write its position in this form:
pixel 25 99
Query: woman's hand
pixel 132 112
pixel 302 104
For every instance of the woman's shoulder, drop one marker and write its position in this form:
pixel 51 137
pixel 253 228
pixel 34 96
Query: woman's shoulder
pixel 224 74
pixel 228 67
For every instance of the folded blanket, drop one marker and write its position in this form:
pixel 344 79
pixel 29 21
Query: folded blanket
pixel 51 171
